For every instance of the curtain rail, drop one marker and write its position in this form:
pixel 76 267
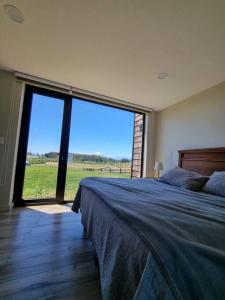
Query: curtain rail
pixel 83 94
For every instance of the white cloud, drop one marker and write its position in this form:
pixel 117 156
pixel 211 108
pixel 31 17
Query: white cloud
pixel 98 153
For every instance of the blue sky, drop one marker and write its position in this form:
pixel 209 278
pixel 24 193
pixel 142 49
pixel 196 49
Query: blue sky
pixel 94 129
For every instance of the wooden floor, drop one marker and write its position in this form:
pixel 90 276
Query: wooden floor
pixel 44 254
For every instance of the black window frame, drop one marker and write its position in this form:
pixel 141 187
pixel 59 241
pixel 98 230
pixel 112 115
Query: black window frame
pixel 64 142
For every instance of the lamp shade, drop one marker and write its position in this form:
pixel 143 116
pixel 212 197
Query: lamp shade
pixel 158 166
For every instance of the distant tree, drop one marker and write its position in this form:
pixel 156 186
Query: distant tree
pixel 52 154
pixel 77 157
pixel 125 160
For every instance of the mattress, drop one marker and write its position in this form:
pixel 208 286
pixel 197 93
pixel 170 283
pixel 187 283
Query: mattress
pixel 154 241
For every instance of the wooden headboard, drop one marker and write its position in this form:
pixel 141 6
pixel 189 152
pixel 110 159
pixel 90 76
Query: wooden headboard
pixel 204 161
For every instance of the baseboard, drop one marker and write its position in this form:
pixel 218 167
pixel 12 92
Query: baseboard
pixel 4 208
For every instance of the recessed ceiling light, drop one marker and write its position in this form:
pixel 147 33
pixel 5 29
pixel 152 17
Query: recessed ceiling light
pixel 163 75
pixel 14 13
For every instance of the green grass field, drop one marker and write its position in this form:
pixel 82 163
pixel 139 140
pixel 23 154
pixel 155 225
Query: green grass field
pixel 40 180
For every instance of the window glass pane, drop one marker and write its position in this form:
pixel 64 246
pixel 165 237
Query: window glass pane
pixel 101 140
pixel 43 148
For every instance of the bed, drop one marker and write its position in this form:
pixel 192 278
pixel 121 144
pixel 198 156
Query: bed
pixel 156 241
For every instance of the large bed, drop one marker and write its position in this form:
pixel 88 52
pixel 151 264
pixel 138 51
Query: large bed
pixel 156 241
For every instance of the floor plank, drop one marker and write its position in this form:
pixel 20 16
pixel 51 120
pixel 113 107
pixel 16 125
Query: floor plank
pixel 44 254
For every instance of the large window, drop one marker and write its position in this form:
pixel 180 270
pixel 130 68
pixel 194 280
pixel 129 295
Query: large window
pixel 65 139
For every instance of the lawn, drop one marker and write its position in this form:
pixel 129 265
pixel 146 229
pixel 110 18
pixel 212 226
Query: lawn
pixel 40 179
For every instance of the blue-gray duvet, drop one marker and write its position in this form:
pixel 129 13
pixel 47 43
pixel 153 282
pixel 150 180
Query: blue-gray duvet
pixel 184 232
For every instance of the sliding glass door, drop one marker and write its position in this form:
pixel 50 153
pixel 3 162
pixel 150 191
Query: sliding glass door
pixel 43 147
pixel 65 139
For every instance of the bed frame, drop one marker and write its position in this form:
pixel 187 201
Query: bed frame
pixel 204 161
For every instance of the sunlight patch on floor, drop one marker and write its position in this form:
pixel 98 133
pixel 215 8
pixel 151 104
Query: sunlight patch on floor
pixel 52 208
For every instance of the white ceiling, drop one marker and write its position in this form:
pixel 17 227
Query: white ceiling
pixel 118 48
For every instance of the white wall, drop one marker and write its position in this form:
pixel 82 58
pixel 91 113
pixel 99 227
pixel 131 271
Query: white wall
pixel 149 144
pixel 11 92
pixel 196 122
